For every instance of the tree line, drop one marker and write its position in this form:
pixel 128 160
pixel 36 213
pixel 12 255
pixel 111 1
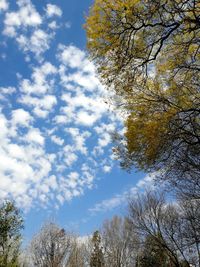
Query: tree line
pixel 155 232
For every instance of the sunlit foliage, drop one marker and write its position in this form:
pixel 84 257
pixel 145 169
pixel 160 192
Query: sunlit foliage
pixel 148 51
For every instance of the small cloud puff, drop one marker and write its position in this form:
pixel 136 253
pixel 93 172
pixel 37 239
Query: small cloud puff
pixel 37 43
pixel 53 10
pixel 21 117
pixel 35 136
pixel 3 5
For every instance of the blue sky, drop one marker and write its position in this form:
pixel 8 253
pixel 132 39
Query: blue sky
pixel 56 157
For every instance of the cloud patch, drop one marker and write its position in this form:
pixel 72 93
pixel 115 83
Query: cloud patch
pixel 119 199
pixel 53 10
pixel 55 132
pixel 3 5
pixel 55 123
pixel 25 16
pixel 31 30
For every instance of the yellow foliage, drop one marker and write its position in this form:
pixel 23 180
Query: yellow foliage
pixel 149 52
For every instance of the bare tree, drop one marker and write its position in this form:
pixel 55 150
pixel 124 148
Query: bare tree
pixel 51 247
pixel 80 253
pixel 172 226
pixel 118 243
pixel 190 211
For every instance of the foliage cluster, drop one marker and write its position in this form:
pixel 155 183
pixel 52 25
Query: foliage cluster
pixel 149 52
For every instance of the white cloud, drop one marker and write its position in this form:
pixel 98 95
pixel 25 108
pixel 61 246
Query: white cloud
pixel 16 151
pixel 89 109
pixel 29 28
pixel 70 155
pixel 26 16
pixel 84 70
pixel 71 56
pixel 38 43
pixel 79 139
pixel 53 25
pixel 41 106
pixel 6 91
pixel 21 165
pixel 107 168
pixel 86 119
pixel 148 180
pixel 34 135
pixel 104 140
pixel 47 140
pixel 42 80
pixel 120 199
pixel 67 25
pixel 104 132
pixel 4 128
pixel 21 117
pixel 53 10
pixel 3 5
pixel 57 140
pixel 73 179
pixel 61 119
pixel 88 81
pixel 108 204
pixel 71 186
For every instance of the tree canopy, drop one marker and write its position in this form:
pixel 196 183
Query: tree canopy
pixel 148 51
pixel 97 258
pixel 11 224
pixel 51 246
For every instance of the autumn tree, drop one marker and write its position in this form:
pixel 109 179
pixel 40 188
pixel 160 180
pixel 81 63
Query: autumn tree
pixel 11 224
pixel 148 51
pixel 97 257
